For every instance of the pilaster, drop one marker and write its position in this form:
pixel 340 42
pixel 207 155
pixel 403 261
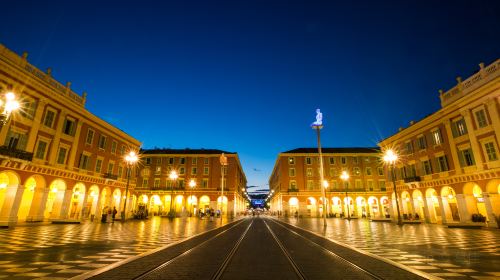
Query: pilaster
pixel 473 140
pixel 10 207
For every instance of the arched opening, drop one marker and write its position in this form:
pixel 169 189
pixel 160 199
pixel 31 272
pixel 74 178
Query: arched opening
pixel 493 188
pixel 33 197
pixel 373 209
pixel 293 204
pixel 406 207
pixel 384 201
pixel 311 207
pixel 90 209
pixel 192 203
pixel 204 204
pixel 418 202
pixel 77 201
pixel 117 199
pixel 7 195
pixel 450 204
pixel 348 206
pixel 433 204
pixel 474 200
pixel 55 199
pixel 156 206
pixel 222 204
pixel 336 206
pixel 361 207
pixel 106 200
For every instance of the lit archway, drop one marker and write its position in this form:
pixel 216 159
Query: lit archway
pixel 77 201
pixel 418 201
pixel 55 199
pixel 7 179
pixel 91 203
pixel 406 206
pixel 293 204
pixel 348 206
pixel 373 208
pixel 32 202
pixel 433 205
pixel 385 204
pixel 311 207
pixel 361 207
pixel 336 205
pixel 192 202
pixel 449 198
pixel 222 204
pixel 204 204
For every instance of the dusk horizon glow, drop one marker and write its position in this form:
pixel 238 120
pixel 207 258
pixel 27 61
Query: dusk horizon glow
pixel 247 77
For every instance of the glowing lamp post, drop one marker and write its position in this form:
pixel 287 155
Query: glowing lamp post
pixel 8 105
pixel 173 176
pixel 390 158
pixel 192 185
pixel 223 163
pixel 131 158
pixel 345 177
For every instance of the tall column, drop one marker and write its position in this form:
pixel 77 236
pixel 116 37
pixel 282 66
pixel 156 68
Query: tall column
pixel 414 210
pixel 57 137
pixel 443 212
pixel 10 207
pixel 427 213
pixel 38 204
pixel 494 115
pixel 453 147
pixel 37 121
pixel 473 140
pixel 72 153
pixel 84 206
pixel 489 210
pixel 65 204
pixel 447 209
pixel 465 216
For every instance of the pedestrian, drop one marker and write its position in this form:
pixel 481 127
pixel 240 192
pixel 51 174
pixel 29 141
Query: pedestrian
pixel 212 214
pixel 114 214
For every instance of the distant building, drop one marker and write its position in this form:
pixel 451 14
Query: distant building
pixel 156 189
pixel 449 170
pixel 58 161
pixel 295 181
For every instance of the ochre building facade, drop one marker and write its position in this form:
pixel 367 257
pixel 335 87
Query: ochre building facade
pixel 203 183
pixel 449 167
pixel 296 186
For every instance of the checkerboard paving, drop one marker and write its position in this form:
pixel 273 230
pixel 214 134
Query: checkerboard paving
pixel 63 251
pixel 434 249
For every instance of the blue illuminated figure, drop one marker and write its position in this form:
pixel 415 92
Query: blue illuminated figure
pixel 319 119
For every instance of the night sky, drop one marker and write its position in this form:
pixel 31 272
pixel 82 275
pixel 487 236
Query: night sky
pixel 247 76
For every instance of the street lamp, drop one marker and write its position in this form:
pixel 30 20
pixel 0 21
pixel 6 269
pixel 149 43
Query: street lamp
pixel 223 163
pixel 192 185
pixel 7 105
pixel 390 158
pixel 173 176
pixel 131 158
pixel 318 125
pixel 345 177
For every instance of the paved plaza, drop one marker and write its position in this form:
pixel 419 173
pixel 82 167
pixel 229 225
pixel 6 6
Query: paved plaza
pixel 434 249
pixel 50 251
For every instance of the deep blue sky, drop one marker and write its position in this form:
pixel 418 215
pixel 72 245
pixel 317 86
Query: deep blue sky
pixel 246 76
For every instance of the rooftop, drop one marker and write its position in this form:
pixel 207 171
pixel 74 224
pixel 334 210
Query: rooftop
pixel 343 150
pixel 186 151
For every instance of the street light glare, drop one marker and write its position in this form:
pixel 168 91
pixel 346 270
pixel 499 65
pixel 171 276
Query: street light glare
pixel 344 176
pixel 192 183
pixel 390 156
pixel 131 157
pixel 173 175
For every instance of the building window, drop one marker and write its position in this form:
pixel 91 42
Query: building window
pixel 292 185
pixel 356 171
pixel 206 170
pixel 90 137
pixel 310 185
pixel 16 140
pixel 370 185
pixel 291 172
pixel 205 183
pixel 381 185
pixel 343 160
pixel 481 118
pixel 421 143
pixel 69 127
pixel 194 170
pixel 466 157
pixel 111 166
pixel 145 182
pixel 49 118
pixel 490 151
pixel 122 150
pixel 335 184
pixel 182 160
pixel 359 184
pixel 332 160
pixel 332 172
pixel 148 161
pixel 409 148
pixel 427 167
pixel 291 160
pixel 442 163
pixel 355 160
pixel 158 161
pixel 171 160
pixel 102 142
pixel 113 147
pixel 145 172
pixel 120 171
pixel 308 160
pixel 61 155
pixel 459 128
pixel 309 172
pixel 182 171
pixel 84 162
pixel 380 171
pixel 436 137
pixel 194 161
pixel 29 108
pixel 205 161
pixel 98 165
pixel 181 183
pixel 369 171
pixel 157 183
pixel 157 170
pixel 41 149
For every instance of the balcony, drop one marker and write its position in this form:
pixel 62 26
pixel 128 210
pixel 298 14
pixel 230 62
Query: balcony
pixel 110 176
pixel 412 179
pixel 10 152
pixel 293 190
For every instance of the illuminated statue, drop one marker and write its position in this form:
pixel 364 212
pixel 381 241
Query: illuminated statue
pixel 319 118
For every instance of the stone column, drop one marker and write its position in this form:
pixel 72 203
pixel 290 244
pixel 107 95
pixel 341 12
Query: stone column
pixel 11 204
pixel 303 209
pixel 465 216
pixel 84 202
pixel 427 214
pixel 447 209
pixel 473 140
pixel 38 204
pixel 98 208
pixel 37 121
pixel 443 212
pixel 453 147
pixel 57 138
pixel 65 204
pixel 489 210
pixel 72 153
